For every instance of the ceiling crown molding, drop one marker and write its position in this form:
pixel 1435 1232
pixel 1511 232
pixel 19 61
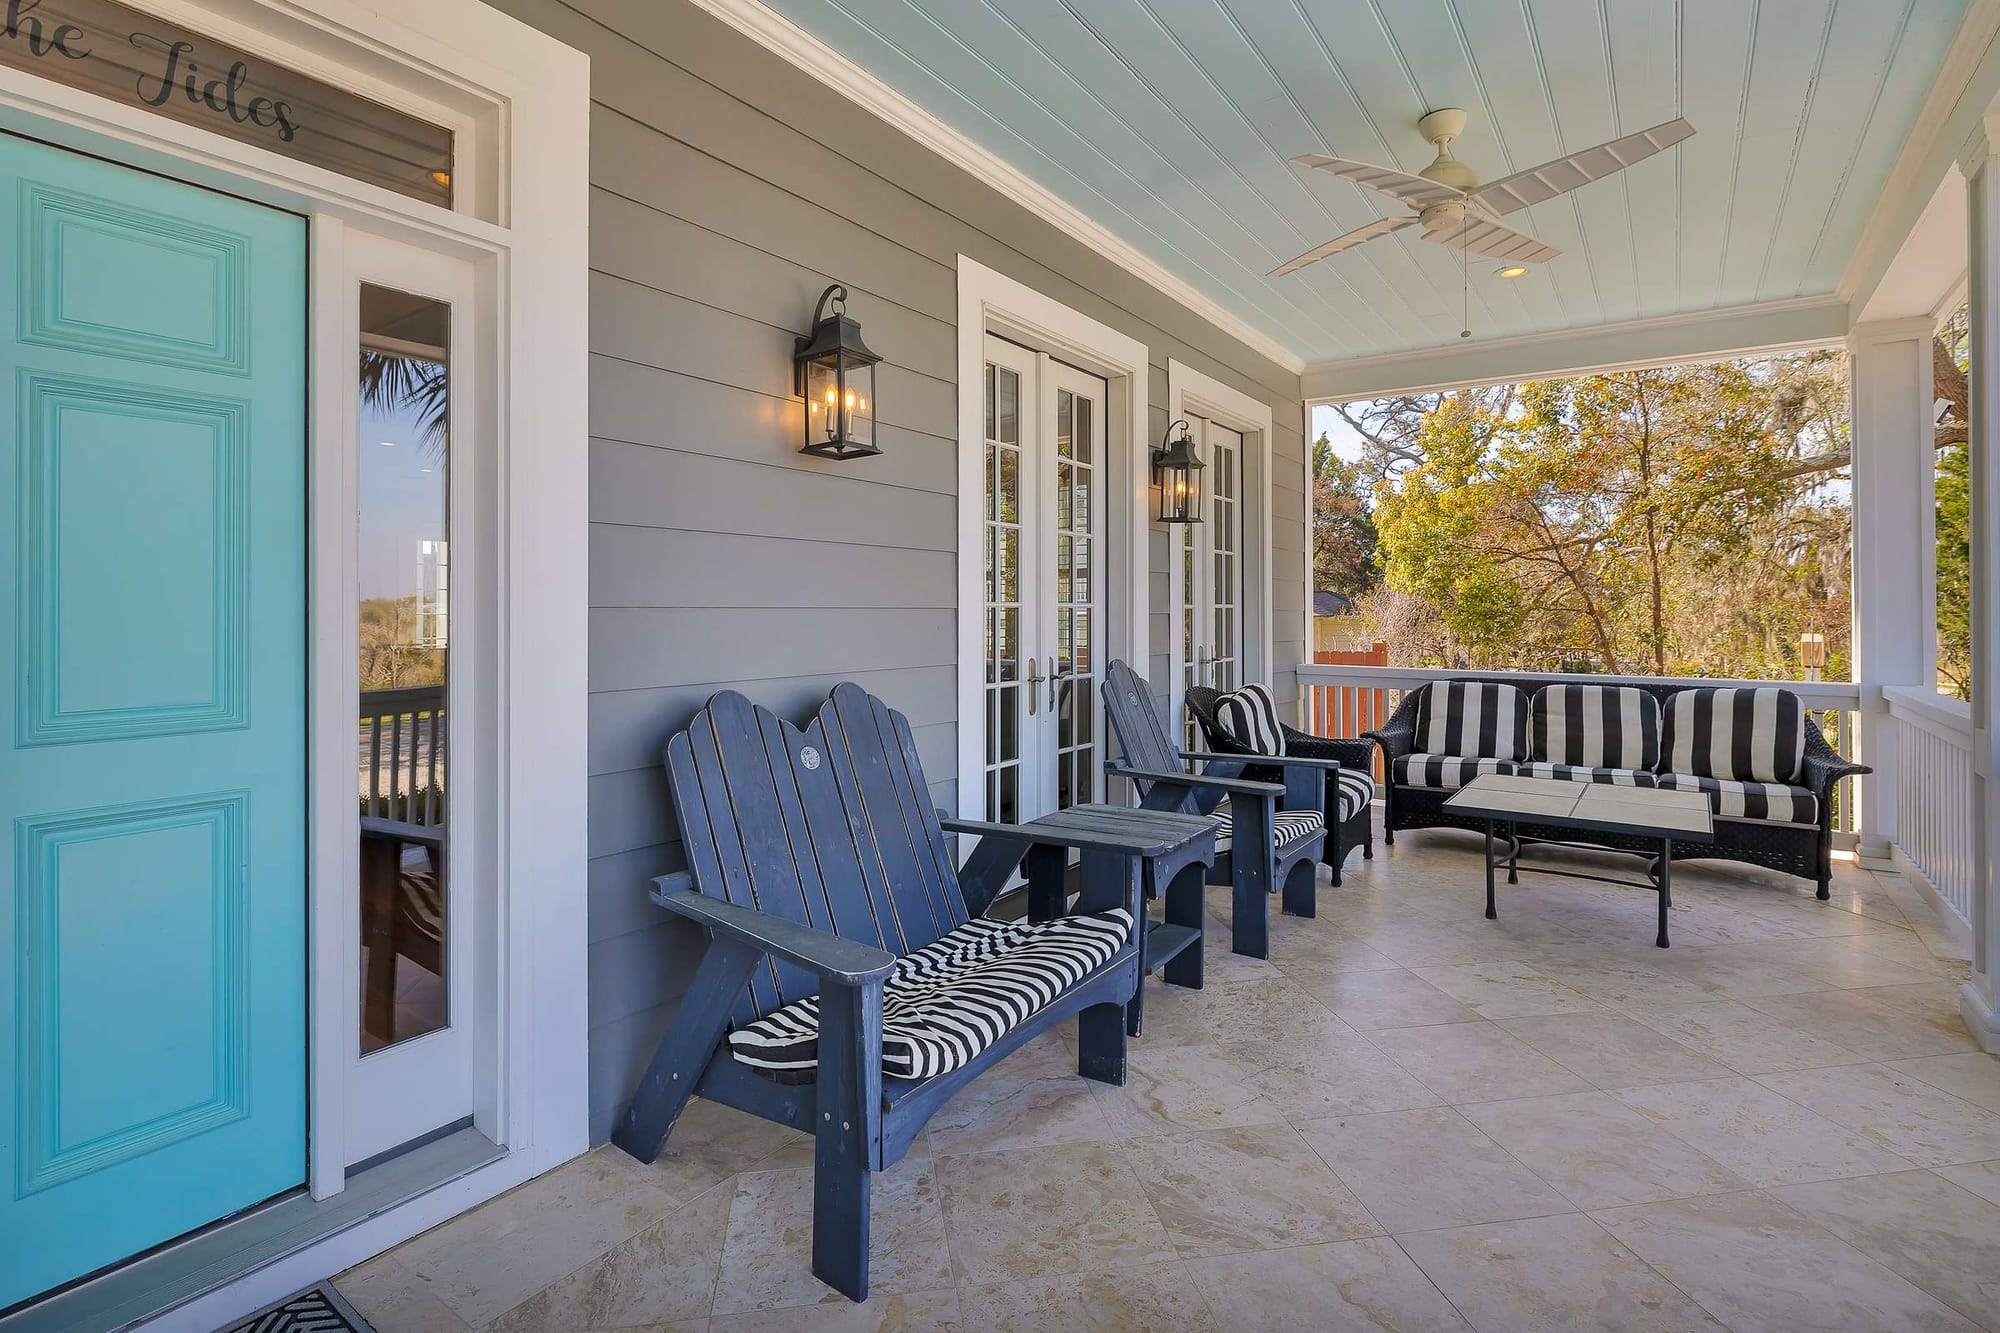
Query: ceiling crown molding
pixel 779 35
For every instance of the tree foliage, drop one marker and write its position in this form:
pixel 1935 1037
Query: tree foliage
pixel 1676 520
pixel 1343 528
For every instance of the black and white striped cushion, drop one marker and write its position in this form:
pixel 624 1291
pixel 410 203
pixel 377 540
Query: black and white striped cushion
pixel 1473 719
pixel 1772 802
pixel 950 1000
pixel 1745 735
pixel 1353 789
pixel 1249 717
pixel 1618 777
pixel 1288 826
pixel 1444 772
pixel 1595 726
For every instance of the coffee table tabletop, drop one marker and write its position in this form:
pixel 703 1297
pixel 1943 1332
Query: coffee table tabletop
pixel 1602 807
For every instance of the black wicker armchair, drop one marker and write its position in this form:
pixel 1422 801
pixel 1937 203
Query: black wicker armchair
pixel 1793 849
pixel 1354 756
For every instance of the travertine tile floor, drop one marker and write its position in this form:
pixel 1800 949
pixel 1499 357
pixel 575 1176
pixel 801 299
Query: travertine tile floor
pixel 1409 1118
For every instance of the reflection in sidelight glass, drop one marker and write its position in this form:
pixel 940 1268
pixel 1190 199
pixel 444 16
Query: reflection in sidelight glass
pixel 403 450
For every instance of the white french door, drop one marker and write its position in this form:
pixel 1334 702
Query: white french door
pixel 1044 596
pixel 1209 563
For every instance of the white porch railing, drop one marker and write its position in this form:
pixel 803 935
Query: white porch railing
pixel 1344 701
pixel 1934 790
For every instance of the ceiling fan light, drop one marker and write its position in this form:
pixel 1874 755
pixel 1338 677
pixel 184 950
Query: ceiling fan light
pixel 1512 270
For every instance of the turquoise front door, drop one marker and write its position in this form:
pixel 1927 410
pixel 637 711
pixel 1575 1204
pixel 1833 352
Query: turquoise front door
pixel 152 695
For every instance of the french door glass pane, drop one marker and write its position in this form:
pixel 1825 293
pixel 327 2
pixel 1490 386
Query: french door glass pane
pixel 1226 572
pixel 1077 760
pixel 404 622
pixel 1004 645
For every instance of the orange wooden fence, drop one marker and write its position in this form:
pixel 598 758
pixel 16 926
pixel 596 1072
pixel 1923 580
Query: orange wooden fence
pixel 1343 711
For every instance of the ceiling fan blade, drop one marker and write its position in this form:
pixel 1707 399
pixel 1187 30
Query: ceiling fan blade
pixel 1580 168
pixel 1484 236
pixel 1379 227
pixel 1415 191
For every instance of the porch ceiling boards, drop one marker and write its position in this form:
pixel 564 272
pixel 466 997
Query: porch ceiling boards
pixel 1170 122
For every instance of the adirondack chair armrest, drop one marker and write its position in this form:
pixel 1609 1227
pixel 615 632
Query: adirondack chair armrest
pixel 828 957
pixel 1265 760
pixel 1178 778
pixel 1081 841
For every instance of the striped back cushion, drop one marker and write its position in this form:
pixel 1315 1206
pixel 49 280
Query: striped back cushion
pixel 1754 735
pixel 1595 726
pixel 1250 716
pixel 1473 719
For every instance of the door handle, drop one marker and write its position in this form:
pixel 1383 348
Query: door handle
pixel 1033 680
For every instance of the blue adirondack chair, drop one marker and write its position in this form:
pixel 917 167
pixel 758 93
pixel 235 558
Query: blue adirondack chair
pixel 817 865
pixel 1277 833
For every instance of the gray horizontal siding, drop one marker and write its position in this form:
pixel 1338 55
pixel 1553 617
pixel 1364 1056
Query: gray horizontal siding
pixel 728 191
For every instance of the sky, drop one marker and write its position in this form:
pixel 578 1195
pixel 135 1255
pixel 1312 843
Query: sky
pixel 1327 422
pixel 402 500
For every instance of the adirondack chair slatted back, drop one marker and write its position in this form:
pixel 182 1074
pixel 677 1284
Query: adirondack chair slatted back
pixel 1143 737
pixel 830 826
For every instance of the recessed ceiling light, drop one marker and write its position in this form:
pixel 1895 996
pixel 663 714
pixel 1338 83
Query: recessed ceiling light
pixel 388 444
pixel 1512 270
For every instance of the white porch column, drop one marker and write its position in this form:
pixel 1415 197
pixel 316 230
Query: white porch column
pixel 1982 174
pixel 1890 421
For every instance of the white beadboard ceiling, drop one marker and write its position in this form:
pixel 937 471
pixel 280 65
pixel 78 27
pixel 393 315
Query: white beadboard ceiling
pixel 1170 122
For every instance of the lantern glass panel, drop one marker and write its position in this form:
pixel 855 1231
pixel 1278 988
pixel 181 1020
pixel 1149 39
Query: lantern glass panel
pixel 822 399
pixel 860 405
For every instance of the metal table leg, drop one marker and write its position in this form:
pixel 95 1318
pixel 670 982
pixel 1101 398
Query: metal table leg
pixel 1666 887
pixel 1491 914
pixel 1513 852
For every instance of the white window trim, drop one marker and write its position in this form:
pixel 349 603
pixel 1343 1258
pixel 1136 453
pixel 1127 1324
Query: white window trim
pixel 518 101
pixel 1190 392
pixel 991 302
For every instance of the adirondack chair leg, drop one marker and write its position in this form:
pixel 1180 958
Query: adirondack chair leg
pixel 1100 1042
pixel 1249 927
pixel 849 1087
pixel 1184 908
pixel 690 1042
pixel 1301 893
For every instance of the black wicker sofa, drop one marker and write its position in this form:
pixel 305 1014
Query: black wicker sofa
pixel 1775 810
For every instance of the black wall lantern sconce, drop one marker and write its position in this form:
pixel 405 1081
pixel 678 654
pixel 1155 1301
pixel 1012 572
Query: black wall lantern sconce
pixel 1177 471
pixel 835 372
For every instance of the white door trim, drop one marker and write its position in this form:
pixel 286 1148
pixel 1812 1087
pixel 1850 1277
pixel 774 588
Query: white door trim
pixel 1191 391
pixel 518 102
pixel 991 302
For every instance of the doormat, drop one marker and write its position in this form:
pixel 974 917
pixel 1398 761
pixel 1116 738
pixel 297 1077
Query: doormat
pixel 314 1310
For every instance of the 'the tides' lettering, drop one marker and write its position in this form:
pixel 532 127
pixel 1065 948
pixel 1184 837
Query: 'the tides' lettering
pixel 22 25
pixel 179 74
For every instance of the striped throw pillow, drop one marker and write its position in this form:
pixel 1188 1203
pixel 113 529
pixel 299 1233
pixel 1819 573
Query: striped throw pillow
pixel 1743 735
pixel 1473 720
pixel 1595 726
pixel 1249 717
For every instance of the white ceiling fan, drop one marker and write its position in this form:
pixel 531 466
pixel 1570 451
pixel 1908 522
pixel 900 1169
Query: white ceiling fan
pixel 1455 209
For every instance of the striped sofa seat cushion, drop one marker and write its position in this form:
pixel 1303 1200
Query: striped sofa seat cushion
pixel 950 1000
pixel 1250 718
pixel 1772 802
pixel 1744 735
pixel 1473 719
pixel 1288 826
pixel 1618 777
pixel 1445 772
pixel 1353 789
pixel 1595 726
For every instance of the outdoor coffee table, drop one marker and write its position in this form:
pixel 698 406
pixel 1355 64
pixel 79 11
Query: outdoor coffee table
pixel 1653 813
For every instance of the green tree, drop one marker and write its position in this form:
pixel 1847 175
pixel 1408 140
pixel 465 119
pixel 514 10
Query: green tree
pixel 1343 528
pixel 1656 520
